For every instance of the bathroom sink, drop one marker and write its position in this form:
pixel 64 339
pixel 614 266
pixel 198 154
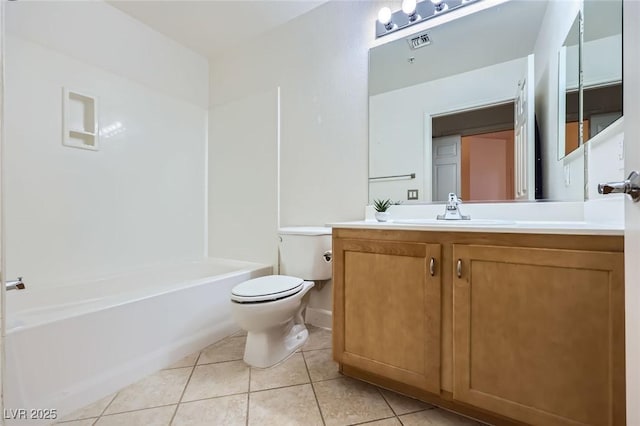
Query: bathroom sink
pixel 471 222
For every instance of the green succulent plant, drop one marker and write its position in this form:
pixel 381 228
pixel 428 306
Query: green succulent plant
pixel 382 205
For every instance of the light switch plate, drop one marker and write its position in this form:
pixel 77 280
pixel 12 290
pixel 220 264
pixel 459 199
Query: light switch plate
pixel 412 194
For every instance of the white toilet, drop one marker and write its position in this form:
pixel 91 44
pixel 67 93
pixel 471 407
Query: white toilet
pixel 271 308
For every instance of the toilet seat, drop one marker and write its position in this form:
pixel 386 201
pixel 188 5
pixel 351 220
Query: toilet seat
pixel 266 289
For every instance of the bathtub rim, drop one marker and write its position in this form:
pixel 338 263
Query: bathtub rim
pixel 112 301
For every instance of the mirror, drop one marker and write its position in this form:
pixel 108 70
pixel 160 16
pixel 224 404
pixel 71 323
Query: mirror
pixel 505 59
pixel 569 91
pixel 598 103
pixel 458 114
pixel 601 65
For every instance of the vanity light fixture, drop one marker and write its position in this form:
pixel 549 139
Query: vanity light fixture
pixel 413 12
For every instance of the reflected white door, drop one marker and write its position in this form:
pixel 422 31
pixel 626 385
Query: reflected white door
pixel 525 133
pixel 446 167
pixel 632 210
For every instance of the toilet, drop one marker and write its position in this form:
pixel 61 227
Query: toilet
pixel 271 308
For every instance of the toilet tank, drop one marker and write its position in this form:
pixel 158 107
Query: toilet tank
pixel 302 252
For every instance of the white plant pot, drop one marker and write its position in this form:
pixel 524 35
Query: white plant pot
pixel 383 216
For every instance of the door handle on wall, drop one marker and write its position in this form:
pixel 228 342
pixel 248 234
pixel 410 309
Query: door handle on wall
pixel 630 186
pixel 15 284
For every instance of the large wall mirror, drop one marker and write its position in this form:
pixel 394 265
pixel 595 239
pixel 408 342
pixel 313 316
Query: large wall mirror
pixel 477 110
pixel 588 108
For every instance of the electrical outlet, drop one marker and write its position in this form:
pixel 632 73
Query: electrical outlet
pixel 412 194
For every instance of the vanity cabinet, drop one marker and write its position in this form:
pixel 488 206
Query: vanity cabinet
pixel 539 333
pixel 389 309
pixel 508 328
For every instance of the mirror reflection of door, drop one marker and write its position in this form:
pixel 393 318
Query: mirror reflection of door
pixel 473 154
pixel 446 167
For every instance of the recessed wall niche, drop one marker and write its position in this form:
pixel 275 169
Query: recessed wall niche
pixel 80 120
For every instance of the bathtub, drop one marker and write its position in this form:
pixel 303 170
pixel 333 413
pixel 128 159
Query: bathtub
pixel 70 345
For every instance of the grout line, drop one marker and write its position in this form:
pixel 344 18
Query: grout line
pixel 248 397
pixel 210 397
pixel 306 366
pixel 193 369
pixel 315 349
pixel 385 400
pixel 371 421
pixel 246 422
pixel 280 387
pixel 327 380
pixel 108 405
pixel 313 389
pixel 220 362
pixel 137 409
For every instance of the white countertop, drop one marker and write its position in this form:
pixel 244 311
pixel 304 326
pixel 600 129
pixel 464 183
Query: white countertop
pixel 518 227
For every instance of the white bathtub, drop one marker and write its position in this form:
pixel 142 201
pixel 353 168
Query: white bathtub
pixel 68 346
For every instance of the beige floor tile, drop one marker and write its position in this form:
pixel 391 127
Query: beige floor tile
pixel 91 410
pixel 162 388
pixel 221 379
pixel 347 401
pixel 436 417
pixel 229 349
pixel 385 422
pixel 319 338
pixel 160 416
pixel 403 405
pixel 187 361
pixel 223 411
pixel 321 365
pixel 291 372
pixel 239 333
pixel 291 406
pixel 84 422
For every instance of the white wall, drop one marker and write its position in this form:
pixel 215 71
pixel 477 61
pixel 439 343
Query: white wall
pixel 320 62
pixel 555 26
pixel 243 179
pixel 73 214
pixel 398 149
pixel 606 159
pixel 101 35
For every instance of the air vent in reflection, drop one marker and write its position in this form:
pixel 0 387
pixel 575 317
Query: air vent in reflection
pixel 419 41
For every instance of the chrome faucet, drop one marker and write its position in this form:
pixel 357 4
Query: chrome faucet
pixel 452 211
pixel 15 284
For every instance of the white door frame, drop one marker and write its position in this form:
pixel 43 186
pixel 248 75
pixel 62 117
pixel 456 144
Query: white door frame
pixel 631 63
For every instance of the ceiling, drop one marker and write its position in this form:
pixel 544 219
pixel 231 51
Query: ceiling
pixel 211 27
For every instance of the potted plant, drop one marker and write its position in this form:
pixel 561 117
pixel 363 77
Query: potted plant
pixel 381 207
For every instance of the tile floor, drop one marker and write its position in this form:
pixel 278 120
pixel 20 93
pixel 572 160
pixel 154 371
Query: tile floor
pixel 215 387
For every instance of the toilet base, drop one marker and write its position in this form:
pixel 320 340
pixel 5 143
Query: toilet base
pixel 269 347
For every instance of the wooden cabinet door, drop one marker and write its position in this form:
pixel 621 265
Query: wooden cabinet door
pixel 386 317
pixel 539 334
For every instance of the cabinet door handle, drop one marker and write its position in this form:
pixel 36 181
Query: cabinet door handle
pixel 432 266
pixel 459 268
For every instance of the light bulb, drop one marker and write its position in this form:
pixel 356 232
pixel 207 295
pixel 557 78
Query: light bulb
pixel 384 16
pixel 409 7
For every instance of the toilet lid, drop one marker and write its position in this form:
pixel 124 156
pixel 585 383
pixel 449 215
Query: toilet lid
pixel 266 288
